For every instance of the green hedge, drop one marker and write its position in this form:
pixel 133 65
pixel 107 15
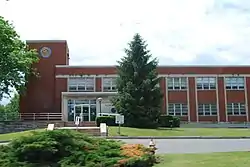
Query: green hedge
pixel 165 121
pixel 66 148
pixel 109 120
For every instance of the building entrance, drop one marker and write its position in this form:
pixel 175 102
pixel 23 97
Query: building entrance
pixel 85 109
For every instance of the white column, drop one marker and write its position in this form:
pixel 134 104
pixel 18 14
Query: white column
pixel 246 99
pixel 217 99
pixel 196 100
pixel 64 109
pixel 225 94
pixel 166 83
pixel 188 100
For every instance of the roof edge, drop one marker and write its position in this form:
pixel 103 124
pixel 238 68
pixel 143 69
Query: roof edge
pixel 46 41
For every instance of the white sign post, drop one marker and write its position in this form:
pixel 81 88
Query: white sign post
pixel 119 119
pixel 77 121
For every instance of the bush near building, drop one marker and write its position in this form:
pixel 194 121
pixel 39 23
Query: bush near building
pixel 166 121
pixel 64 148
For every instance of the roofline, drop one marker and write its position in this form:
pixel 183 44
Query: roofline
pixel 161 66
pixel 46 41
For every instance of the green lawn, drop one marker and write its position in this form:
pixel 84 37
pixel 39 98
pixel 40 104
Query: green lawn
pixel 232 159
pixel 180 132
pixel 158 132
pixel 10 136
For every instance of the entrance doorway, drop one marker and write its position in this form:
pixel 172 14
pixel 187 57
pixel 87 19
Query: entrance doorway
pixel 86 112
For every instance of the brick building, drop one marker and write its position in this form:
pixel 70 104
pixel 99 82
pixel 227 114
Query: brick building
pixel 194 93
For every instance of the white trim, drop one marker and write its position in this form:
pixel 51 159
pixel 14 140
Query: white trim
pixel 188 99
pixel 79 76
pixel 166 84
pixel 160 66
pixel 246 98
pixel 225 95
pixel 196 100
pixel 217 99
pixel 160 75
pixel 87 93
pixel 203 75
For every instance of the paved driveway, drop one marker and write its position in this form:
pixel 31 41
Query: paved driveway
pixel 196 145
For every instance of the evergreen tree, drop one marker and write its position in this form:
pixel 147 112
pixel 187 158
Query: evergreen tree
pixel 139 96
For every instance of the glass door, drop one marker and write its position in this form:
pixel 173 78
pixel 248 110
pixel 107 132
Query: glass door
pixel 85 112
pixel 78 112
pixel 92 112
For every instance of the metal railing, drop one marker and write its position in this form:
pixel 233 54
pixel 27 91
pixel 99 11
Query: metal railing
pixel 30 116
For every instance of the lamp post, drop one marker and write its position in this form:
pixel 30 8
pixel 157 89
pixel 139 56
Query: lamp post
pixel 100 105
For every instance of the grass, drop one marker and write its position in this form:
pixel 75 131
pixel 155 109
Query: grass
pixel 230 159
pixel 10 136
pixel 180 132
pixel 157 132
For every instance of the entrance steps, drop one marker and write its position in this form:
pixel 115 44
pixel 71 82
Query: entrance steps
pixel 81 124
pixel 94 131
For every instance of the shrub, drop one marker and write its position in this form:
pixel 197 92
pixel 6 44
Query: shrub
pixel 109 120
pixel 64 148
pixel 165 121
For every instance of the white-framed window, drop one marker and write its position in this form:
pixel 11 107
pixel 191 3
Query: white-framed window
pixel 207 109
pixel 109 84
pixel 235 83
pixel 205 83
pixel 236 109
pixel 177 83
pixel 177 109
pixel 83 84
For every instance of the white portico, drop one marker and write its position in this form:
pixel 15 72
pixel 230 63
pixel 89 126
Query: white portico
pixel 87 105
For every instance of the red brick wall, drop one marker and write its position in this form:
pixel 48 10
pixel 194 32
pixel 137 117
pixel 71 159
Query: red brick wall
pixel 43 92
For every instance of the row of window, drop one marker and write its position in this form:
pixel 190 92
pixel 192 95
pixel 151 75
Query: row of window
pixel 87 84
pixel 206 83
pixel 177 109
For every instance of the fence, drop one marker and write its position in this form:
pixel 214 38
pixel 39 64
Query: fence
pixel 30 116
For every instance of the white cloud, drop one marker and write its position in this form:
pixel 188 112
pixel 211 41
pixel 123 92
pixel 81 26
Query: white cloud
pixel 177 31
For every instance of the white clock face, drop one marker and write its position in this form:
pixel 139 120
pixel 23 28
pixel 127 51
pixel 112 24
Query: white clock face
pixel 45 52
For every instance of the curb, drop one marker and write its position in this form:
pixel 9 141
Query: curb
pixel 178 137
pixel 165 137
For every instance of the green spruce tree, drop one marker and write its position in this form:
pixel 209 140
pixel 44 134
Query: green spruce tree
pixel 139 96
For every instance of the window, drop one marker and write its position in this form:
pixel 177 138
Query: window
pixel 205 83
pixel 234 83
pixel 207 109
pixel 177 83
pixel 109 84
pixel 177 109
pixel 236 109
pixel 84 84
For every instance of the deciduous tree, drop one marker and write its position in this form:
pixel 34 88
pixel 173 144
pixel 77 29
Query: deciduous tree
pixel 15 59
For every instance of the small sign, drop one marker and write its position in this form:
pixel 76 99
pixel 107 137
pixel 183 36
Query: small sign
pixel 50 127
pixel 103 128
pixel 119 119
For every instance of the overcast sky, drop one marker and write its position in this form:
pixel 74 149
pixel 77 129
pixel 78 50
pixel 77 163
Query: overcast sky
pixel 177 31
